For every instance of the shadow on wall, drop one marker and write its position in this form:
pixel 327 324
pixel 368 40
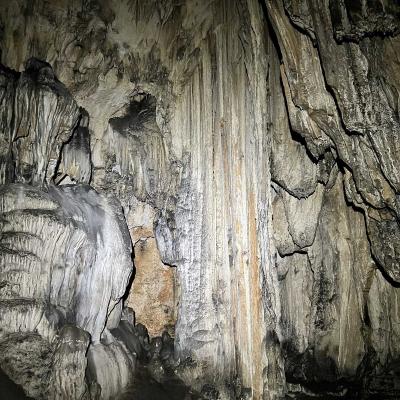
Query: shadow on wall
pixel 10 390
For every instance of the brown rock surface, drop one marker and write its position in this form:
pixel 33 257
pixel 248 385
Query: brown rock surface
pixel 153 294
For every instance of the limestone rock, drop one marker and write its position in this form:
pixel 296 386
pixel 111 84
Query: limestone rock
pixel 153 294
pixel 38 116
pixel 111 366
pixel 75 163
pixel 69 365
pixel 58 250
pixel 81 235
pixel 253 149
pixel 352 102
pixel 32 376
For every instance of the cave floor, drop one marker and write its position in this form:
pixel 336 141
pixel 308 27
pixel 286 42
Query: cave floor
pixel 145 387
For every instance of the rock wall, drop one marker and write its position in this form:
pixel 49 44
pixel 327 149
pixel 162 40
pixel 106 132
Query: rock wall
pixel 337 241
pixel 253 148
pixel 65 250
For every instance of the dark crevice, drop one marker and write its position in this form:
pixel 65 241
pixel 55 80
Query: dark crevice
pixel 58 179
pixel 387 277
pixel 270 29
pixel 140 111
pixel 361 210
pixel 10 390
pixel 131 279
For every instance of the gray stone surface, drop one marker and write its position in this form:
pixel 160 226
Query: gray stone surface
pixel 69 365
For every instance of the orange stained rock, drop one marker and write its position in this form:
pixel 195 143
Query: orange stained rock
pixel 153 292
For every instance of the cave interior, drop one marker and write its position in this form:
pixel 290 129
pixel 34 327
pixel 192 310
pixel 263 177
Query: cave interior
pixel 199 199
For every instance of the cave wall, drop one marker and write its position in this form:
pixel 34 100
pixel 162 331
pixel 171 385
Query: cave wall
pixel 253 148
pixel 341 89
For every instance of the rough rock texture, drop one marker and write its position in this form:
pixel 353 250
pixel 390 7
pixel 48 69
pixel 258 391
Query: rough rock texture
pixel 153 294
pixel 347 93
pixel 61 250
pixel 65 259
pixel 111 366
pixel 38 115
pixel 336 224
pixel 69 365
pixel 254 142
pixel 65 251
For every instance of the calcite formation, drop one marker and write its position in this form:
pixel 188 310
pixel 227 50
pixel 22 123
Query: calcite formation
pixel 65 250
pixel 242 156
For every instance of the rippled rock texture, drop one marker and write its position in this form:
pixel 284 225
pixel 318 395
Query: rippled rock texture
pixel 238 158
pixel 65 250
